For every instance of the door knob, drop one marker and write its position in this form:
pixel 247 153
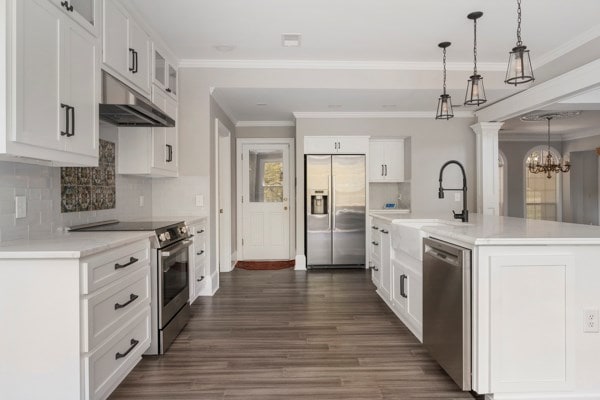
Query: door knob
pixel 220 211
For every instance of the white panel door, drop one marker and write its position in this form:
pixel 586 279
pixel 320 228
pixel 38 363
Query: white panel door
pixel 139 42
pixel 265 204
pixel 39 115
pixel 79 69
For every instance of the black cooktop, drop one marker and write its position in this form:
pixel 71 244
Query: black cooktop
pixel 129 226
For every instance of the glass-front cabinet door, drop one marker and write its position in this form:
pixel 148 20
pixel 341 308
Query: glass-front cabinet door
pixel 172 80
pixel 160 70
pixel 85 12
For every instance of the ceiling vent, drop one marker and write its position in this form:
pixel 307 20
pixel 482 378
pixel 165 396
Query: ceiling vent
pixel 290 40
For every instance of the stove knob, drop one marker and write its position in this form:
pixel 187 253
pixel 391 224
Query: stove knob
pixel 183 229
pixel 161 237
pixel 168 235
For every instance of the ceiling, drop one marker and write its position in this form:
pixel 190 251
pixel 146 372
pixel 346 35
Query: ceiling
pixel 376 32
pixel 364 30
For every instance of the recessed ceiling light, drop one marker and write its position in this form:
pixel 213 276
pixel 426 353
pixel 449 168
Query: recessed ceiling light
pixel 334 106
pixel 261 104
pixel 224 48
pixel 290 40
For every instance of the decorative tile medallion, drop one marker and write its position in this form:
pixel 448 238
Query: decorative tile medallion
pixel 89 189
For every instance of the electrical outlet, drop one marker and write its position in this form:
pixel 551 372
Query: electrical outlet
pixel 590 321
pixel 20 206
pixel 457 197
pixel 199 200
pixel 141 201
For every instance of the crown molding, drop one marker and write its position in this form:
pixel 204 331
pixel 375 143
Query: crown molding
pixel 247 124
pixel 351 65
pixel 577 41
pixel 580 135
pixel 378 114
pixel 541 137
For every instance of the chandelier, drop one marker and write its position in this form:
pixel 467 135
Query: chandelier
pixel 549 165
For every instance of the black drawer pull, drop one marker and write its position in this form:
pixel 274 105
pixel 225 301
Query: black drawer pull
pixel 200 231
pixel 402 287
pixel 201 279
pixel 168 90
pixel 133 344
pixel 132 65
pixel 375 227
pixel 200 253
pixel 375 243
pixel 384 231
pixel 132 260
pixel 132 298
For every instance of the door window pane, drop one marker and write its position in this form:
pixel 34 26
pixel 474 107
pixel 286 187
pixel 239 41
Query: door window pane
pixel 265 176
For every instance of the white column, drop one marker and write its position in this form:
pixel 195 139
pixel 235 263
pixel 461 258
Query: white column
pixel 488 179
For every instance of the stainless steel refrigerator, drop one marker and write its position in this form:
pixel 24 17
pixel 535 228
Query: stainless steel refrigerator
pixel 335 210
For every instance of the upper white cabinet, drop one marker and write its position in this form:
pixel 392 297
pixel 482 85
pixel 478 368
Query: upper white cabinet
pixel 86 13
pixel 52 113
pixel 336 144
pixel 386 160
pixel 126 50
pixel 151 152
pixel 164 73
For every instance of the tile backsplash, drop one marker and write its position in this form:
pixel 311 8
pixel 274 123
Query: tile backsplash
pixel 90 188
pixel 382 193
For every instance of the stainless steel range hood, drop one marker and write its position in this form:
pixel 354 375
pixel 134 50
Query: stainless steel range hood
pixel 123 106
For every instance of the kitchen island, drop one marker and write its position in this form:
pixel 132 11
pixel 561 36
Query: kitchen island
pixel 533 285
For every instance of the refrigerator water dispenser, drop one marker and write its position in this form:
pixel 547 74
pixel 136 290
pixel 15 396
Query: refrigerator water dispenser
pixel 318 202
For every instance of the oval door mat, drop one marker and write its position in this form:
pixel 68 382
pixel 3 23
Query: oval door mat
pixel 265 265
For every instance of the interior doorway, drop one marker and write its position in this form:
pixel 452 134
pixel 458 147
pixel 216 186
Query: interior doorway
pixel 266 199
pixel 223 197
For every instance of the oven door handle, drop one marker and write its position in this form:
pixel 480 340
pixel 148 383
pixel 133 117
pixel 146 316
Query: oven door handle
pixel 178 247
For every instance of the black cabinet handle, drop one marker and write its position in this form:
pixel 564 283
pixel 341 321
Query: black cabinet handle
pixel 168 90
pixel 132 65
pixel 384 231
pixel 135 60
pixel 66 5
pixel 375 227
pixel 132 260
pixel 132 298
pixel 375 243
pixel 169 153
pixel 72 122
pixel 133 343
pixel 201 279
pixel 200 231
pixel 385 169
pixel 402 288
pixel 200 253
pixel 67 120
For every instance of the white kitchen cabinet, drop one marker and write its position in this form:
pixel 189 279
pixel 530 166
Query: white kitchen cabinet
pixel 126 47
pixel 336 144
pixel 54 114
pixel 86 13
pixel 380 254
pixel 81 325
pixel 200 284
pixel 152 152
pixel 386 160
pixel 164 73
pixel 407 294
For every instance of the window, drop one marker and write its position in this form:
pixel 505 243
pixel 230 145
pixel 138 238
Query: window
pixel 266 176
pixel 541 192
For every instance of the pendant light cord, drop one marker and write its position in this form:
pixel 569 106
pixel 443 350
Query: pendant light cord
pixel 475 46
pixel 548 118
pixel 444 62
pixel 519 41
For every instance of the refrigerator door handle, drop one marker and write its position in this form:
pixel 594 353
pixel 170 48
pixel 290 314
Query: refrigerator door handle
pixel 333 211
pixel 329 207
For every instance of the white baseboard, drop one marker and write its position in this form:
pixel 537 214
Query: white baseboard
pixel 300 262
pixel 544 396
pixel 214 280
pixel 234 259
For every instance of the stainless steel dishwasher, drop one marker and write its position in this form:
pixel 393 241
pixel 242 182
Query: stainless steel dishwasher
pixel 447 308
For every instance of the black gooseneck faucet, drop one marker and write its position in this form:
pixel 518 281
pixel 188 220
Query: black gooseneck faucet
pixel 464 215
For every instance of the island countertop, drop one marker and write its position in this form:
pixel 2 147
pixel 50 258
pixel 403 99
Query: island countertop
pixel 495 230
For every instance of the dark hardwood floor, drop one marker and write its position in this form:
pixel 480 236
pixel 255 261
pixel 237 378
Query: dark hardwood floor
pixel 292 335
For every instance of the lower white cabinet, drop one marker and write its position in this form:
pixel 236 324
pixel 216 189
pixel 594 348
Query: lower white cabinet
pixel 380 256
pixel 200 279
pixel 80 325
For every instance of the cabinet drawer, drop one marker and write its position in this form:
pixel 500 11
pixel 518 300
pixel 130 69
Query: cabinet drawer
pixel 106 367
pixel 199 231
pixel 112 307
pixel 104 268
pixel 199 249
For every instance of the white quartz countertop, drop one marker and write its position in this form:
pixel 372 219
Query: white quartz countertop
pixel 69 245
pixel 189 219
pixel 496 230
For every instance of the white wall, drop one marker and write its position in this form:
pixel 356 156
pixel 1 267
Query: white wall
pixel 432 143
pixel 265 132
pixel 41 185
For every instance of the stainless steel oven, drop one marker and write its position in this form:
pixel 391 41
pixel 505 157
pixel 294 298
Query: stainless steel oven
pixel 173 291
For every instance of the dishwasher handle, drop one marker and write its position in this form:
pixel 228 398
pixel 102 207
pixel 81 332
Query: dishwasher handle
pixel 442 255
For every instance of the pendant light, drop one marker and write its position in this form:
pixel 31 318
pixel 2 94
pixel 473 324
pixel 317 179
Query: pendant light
pixel 444 108
pixel 475 95
pixel 519 63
